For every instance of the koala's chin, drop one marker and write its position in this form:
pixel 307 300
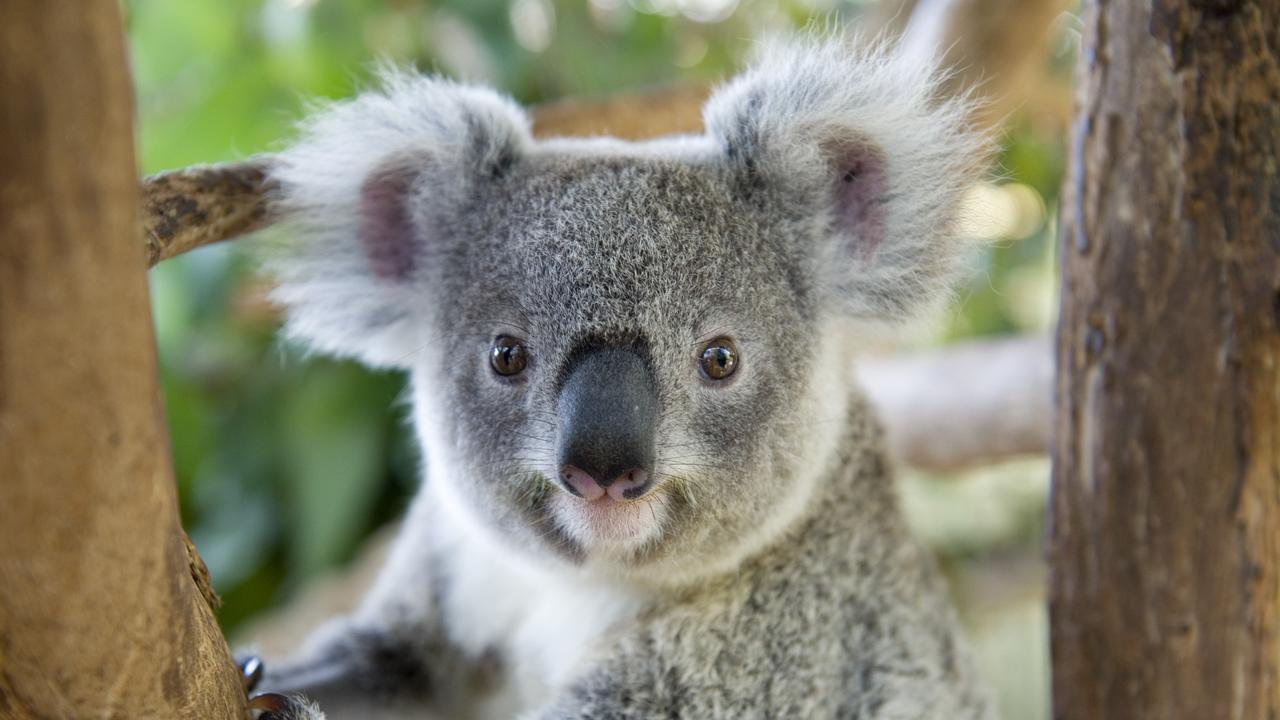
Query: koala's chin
pixel 617 529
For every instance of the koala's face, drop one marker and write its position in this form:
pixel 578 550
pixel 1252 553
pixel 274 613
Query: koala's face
pixel 624 353
pixel 623 349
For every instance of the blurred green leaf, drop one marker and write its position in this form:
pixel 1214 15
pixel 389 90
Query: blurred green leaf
pixel 334 456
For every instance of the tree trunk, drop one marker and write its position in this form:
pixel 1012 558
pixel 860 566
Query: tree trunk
pixel 100 615
pixel 1165 541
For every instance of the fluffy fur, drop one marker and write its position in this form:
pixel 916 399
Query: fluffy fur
pixel 769 573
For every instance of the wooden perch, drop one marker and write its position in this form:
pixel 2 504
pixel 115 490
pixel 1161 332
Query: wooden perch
pixel 964 405
pixel 634 116
pixel 184 209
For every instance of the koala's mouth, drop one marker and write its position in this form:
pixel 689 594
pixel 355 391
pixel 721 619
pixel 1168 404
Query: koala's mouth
pixel 605 518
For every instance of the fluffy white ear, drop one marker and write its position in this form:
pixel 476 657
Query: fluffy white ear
pixel 862 135
pixel 364 193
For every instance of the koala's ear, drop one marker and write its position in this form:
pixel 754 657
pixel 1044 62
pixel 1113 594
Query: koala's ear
pixel 366 194
pixel 859 140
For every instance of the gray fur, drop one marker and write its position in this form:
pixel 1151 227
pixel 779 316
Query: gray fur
pixel 770 574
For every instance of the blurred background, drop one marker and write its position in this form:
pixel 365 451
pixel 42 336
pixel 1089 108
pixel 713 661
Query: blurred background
pixel 288 464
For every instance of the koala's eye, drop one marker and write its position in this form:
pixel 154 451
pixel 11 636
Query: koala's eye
pixel 719 359
pixel 508 357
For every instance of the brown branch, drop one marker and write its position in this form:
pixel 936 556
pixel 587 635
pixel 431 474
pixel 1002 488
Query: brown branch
pixel 632 116
pixel 964 405
pixel 184 209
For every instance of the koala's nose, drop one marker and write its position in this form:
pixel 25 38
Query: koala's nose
pixel 608 409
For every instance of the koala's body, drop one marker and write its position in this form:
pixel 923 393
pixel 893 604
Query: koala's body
pixel 652 488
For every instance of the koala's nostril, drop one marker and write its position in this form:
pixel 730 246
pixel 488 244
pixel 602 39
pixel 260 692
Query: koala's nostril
pixel 581 483
pixel 630 485
pixel 627 486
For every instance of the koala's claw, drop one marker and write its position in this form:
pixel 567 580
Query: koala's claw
pixel 251 672
pixel 269 704
pixel 274 706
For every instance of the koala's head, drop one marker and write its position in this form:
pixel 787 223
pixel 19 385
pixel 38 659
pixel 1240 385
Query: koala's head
pixel 631 354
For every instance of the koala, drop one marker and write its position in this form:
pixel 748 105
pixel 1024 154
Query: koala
pixel 652 488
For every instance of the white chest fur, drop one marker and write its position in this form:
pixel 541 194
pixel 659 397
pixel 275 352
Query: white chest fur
pixel 546 624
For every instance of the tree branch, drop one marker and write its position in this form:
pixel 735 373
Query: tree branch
pixel 184 209
pixel 964 405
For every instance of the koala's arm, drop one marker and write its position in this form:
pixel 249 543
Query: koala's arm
pixel 393 653
pixel 352 664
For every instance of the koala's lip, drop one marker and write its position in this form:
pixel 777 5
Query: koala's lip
pixel 608 522
pixel 603 502
pixel 607 500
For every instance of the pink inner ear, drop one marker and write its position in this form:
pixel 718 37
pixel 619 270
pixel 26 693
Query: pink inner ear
pixel 861 192
pixel 386 224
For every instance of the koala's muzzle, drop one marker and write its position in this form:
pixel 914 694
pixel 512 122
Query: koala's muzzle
pixel 608 409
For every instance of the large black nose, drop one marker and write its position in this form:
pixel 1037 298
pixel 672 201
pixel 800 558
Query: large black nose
pixel 608 408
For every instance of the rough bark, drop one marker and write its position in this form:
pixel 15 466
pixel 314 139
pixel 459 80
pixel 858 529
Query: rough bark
pixel 1165 548
pixel 100 615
